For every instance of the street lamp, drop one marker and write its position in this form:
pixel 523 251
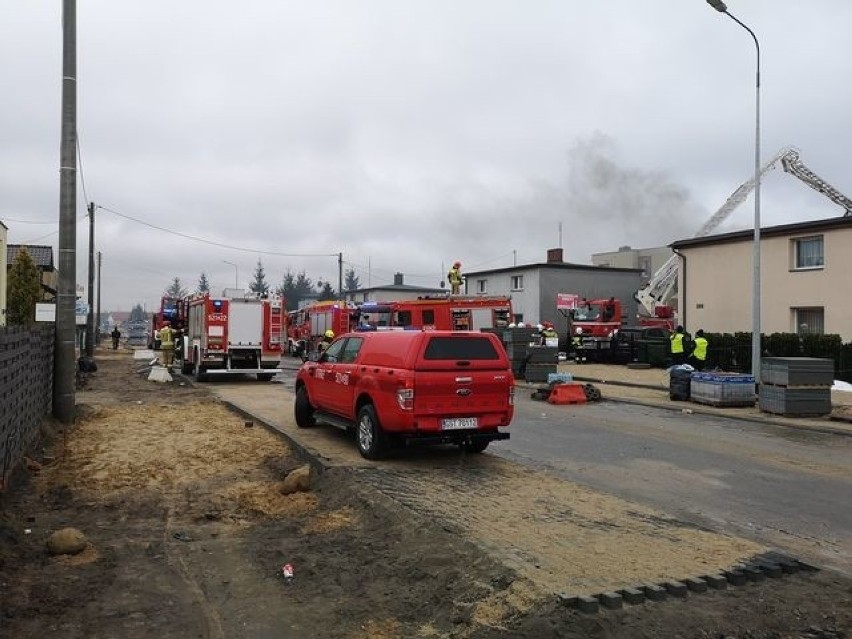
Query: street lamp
pixel 755 313
pixel 236 273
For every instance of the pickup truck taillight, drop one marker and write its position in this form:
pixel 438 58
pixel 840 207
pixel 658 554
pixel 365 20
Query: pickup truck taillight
pixel 405 397
pixel 512 395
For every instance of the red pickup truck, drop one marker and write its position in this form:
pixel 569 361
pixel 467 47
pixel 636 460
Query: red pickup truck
pixel 405 387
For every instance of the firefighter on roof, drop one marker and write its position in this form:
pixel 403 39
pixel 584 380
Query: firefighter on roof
pixel 454 276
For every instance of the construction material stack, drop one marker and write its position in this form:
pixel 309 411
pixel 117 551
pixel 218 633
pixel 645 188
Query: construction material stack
pixel 796 386
pixel 722 389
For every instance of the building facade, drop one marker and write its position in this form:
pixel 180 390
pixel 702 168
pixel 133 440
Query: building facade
pixel 399 290
pixel 43 258
pixel 803 279
pixel 534 287
pixel 648 260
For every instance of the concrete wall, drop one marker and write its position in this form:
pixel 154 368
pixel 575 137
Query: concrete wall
pixel 627 257
pixel 718 287
pixel 591 284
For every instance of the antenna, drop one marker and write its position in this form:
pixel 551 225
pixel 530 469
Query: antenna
pixel 560 235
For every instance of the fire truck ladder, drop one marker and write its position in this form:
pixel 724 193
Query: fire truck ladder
pixel 659 287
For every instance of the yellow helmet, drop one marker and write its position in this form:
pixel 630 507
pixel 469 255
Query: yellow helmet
pixel 329 334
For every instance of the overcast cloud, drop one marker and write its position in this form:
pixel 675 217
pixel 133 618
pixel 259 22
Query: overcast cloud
pixel 409 134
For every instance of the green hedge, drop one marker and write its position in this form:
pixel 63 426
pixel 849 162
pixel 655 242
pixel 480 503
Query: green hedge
pixel 732 352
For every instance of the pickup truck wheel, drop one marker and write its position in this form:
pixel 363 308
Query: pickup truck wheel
pixel 475 447
pixel 302 409
pixel 371 441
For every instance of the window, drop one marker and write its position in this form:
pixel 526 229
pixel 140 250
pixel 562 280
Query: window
pixel 350 351
pixel 645 265
pixel 517 282
pixel 808 253
pixel 480 286
pixel 428 316
pixel 809 321
pixel 466 348
pixel 403 318
pixel 332 353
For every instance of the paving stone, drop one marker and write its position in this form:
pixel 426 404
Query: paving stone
pixel 675 588
pixel 611 600
pixel 716 582
pixel 588 604
pixel 696 584
pixel 654 592
pixel 633 596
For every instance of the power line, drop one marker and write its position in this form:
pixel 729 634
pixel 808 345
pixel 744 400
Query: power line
pixel 80 170
pixel 9 219
pixel 211 242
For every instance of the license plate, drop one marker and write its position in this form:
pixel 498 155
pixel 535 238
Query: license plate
pixel 459 423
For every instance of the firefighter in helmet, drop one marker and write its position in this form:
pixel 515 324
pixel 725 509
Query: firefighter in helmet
pixel 327 338
pixel 454 276
pixel 166 335
pixel 547 332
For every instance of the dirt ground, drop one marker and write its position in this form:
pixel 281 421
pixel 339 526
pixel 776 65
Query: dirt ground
pixel 187 529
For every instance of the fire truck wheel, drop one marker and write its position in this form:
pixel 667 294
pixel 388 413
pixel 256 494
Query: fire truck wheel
pixel 199 372
pixel 371 441
pixel 185 367
pixel 302 409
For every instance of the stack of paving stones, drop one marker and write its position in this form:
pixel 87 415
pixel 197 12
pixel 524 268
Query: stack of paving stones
pixel 517 342
pixel 796 386
pixel 771 565
pixel 26 390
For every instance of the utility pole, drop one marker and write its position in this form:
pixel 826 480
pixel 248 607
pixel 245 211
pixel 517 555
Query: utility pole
pixel 64 350
pixel 340 275
pixel 98 313
pixel 90 318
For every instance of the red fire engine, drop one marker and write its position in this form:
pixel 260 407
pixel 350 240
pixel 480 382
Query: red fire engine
pixel 305 327
pixel 456 313
pixel 172 310
pixel 592 325
pixel 232 335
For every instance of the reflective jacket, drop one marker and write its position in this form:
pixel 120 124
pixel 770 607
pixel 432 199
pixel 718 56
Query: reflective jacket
pixel 167 337
pixel 454 276
pixel 677 342
pixel 700 351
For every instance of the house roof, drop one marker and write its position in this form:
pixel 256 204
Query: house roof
pixel 42 255
pixel 567 266
pixel 782 230
pixel 402 288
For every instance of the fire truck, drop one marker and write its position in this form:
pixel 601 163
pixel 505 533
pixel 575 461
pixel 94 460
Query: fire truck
pixel 173 311
pixel 228 335
pixel 454 313
pixel 592 324
pixel 304 328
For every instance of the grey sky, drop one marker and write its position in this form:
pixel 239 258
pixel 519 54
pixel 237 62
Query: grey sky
pixel 410 134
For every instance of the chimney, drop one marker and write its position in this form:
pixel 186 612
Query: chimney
pixel 397 279
pixel 554 256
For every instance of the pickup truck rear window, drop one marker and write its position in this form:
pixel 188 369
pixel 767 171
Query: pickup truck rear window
pixel 455 348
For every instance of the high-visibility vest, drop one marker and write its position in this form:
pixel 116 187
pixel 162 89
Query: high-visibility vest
pixel 454 276
pixel 700 352
pixel 677 343
pixel 166 336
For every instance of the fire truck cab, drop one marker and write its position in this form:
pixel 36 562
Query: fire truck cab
pixel 457 313
pixel 232 335
pixel 304 328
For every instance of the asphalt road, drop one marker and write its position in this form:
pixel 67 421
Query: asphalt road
pixel 785 487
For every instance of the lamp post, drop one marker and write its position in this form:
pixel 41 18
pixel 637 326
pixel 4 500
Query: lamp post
pixel 755 313
pixel 236 273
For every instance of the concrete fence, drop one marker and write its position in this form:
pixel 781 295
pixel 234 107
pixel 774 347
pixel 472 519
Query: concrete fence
pixel 26 390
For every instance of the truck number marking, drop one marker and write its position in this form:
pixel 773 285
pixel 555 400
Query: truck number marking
pixel 217 317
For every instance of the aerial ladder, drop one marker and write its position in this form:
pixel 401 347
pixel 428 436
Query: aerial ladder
pixel 653 297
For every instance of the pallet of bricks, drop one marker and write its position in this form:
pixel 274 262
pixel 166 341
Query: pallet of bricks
pixel 796 386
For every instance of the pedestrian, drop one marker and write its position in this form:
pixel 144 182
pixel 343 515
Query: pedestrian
pixel 166 336
pixel 698 358
pixel 454 276
pixel 678 354
pixel 116 335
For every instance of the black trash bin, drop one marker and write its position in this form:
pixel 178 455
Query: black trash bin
pixel 680 380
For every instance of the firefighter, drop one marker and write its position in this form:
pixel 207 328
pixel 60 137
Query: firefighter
pixel 698 359
pixel 166 335
pixel 327 338
pixel 677 351
pixel 454 276
pixel 548 332
pixel 116 335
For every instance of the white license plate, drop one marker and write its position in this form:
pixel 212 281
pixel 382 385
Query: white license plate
pixel 459 423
